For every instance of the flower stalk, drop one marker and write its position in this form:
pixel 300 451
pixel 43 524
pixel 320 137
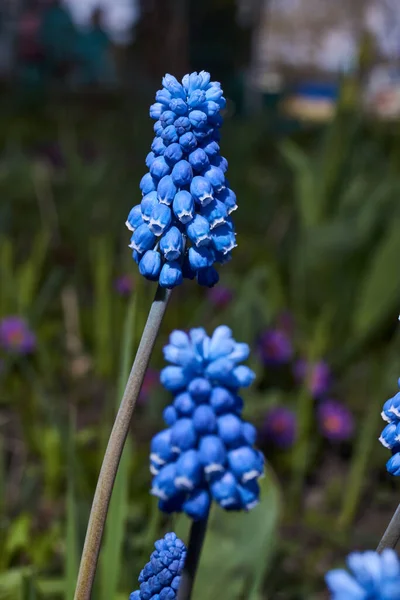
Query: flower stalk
pixel 108 472
pixel 196 540
pixel 391 536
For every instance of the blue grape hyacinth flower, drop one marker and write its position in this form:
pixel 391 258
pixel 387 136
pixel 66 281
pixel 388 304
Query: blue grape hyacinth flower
pixel 182 228
pixel 206 452
pixel 390 436
pixel 373 577
pixel 160 578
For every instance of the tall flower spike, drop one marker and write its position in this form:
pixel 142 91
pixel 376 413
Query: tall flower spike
pixel 182 227
pixel 161 576
pixel 373 577
pixel 207 451
pixel 390 436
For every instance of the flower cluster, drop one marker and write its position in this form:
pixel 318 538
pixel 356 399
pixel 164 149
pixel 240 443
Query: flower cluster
pixel 16 337
pixel 390 437
pixel 160 578
pixel 374 577
pixel 186 197
pixel 335 421
pixel 207 450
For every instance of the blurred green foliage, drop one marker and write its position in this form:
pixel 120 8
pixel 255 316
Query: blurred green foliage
pixel 318 235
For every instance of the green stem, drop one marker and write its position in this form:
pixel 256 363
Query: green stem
pixel 301 449
pixel 197 535
pixel 112 457
pixel 392 534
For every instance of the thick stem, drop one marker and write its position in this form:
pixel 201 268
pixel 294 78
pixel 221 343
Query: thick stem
pixel 197 535
pixel 102 496
pixel 392 534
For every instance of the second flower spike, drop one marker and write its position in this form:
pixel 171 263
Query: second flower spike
pixel 207 450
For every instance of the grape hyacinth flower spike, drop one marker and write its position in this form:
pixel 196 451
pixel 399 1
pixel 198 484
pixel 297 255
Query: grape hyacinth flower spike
pixel 206 453
pixel 160 578
pixel 373 576
pixel 182 228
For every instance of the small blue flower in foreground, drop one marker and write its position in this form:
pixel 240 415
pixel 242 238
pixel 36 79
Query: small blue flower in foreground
pixel 160 578
pixel 373 577
pixel 207 451
pixel 390 437
pixel 182 227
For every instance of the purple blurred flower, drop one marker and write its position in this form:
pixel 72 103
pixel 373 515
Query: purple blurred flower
pixel 151 379
pixel 124 285
pixel 280 427
pixel 275 347
pixel 220 296
pixel 335 421
pixel 15 336
pixel 285 322
pixel 317 376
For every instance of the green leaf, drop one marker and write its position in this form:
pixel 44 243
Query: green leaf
pixel 237 548
pixel 380 291
pixel 18 537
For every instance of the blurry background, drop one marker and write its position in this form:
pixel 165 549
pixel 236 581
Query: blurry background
pixel 311 135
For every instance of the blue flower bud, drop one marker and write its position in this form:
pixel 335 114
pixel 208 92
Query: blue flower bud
pixel 180 339
pixel 197 505
pixel 198 118
pixel 150 159
pixel 183 435
pixel 161 448
pixel 230 430
pixel 212 454
pixel 171 244
pixel 173 154
pixel 200 389
pixel 222 102
pixel 214 93
pixel 204 420
pixel 389 436
pixel 150 265
pixel 221 343
pixel 142 239
pixel 220 370
pixel 163 483
pixel 223 239
pixel 240 352
pixel 201 190
pixel 134 219
pixel 200 258
pixel 199 159
pixel 147 184
pixel 221 400
pixel 147 205
pixel 194 81
pixel 184 404
pixel 243 376
pixel 170 415
pixel 173 86
pixel 215 176
pixel 205 79
pixel 173 378
pixel 135 596
pixel 179 106
pixel 182 173
pixel 212 108
pixel 183 206
pixel 171 275
pixel 170 135
pixel 160 219
pixel 157 128
pixel 159 168
pixel 215 212
pixel 188 141
pixel 163 96
pixel 179 356
pixel 198 231
pixel 225 490
pixel 220 162
pixel 196 99
pixel 208 277
pixel 202 133
pixel 156 110
pixel 249 494
pixel 167 118
pixel 249 433
pixel 189 470
pixel 245 463
pixel 166 190
pixel 211 148
pixel 228 197
pixel 137 256
pixel 158 146
pixel 393 464
pixel 182 125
